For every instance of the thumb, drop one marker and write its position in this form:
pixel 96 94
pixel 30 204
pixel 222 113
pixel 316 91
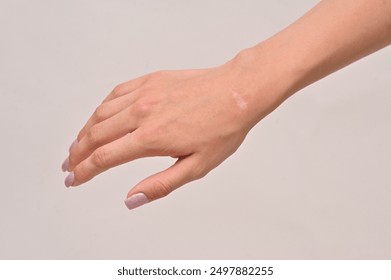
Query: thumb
pixel 161 184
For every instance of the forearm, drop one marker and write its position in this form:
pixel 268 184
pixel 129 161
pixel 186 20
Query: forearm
pixel 332 35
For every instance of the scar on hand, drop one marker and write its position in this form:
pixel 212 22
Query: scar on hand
pixel 239 100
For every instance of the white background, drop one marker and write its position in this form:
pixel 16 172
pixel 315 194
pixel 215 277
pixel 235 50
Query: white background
pixel 311 181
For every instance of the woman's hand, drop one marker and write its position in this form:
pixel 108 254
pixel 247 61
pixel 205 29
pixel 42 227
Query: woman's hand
pixel 199 117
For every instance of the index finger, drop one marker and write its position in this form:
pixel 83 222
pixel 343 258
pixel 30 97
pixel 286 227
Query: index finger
pixel 125 88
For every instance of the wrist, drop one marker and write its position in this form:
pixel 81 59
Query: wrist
pixel 264 78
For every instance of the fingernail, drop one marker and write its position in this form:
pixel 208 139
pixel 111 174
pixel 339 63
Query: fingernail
pixel 69 179
pixel 65 164
pixel 74 143
pixel 136 200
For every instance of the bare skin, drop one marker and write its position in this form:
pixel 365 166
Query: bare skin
pixel 202 116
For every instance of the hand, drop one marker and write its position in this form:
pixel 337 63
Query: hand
pixel 199 117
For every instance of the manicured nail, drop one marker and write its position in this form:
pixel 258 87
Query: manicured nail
pixel 74 143
pixel 136 200
pixel 65 165
pixel 69 180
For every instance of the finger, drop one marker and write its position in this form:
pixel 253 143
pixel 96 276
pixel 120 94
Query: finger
pixel 125 88
pixel 120 151
pixel 161 184
pixel 100 134
pixel 107 110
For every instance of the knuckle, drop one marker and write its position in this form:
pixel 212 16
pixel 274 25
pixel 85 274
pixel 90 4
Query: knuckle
pixel 100 158
pixel 145 89
pixel 119 89
pixel 94 134
pixel 141 109
pixel 100 113
pixel 147 104
pixel 158 74
pixel 81 134
pixel 160 189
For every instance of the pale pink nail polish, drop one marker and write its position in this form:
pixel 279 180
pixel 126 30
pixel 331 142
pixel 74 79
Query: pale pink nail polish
pixel 74 143
pixel 69 180
pixel 65 165
pixel 136 200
